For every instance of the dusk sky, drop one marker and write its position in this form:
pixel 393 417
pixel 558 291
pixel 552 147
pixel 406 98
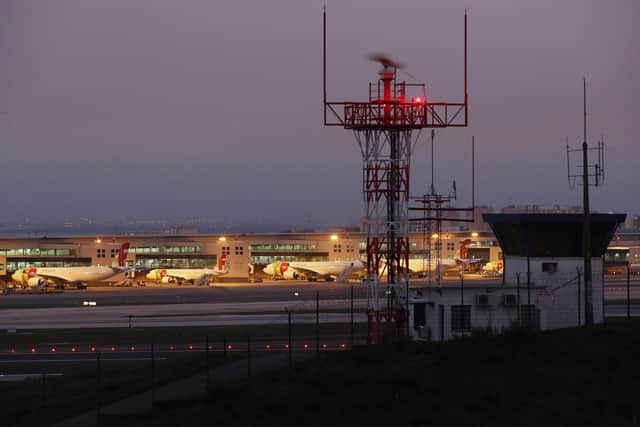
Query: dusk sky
pixel 201 108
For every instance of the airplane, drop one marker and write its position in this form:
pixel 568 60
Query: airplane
pixel 198 276
pixel 417 265
pixel 40 277
pixel 493 268
pixel 311 270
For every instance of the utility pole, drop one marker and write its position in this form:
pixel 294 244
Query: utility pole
pixel 586 222
pixel 585 173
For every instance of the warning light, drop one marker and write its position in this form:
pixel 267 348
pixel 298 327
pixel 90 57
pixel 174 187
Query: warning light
pixel 132 348
pixel 210 347
pixel 343 346
pixel 113 348
pixel 306 346
pixel 33 349
pixel 229 347
pixel 417 100
pixel 324 346
pixel 268 346
pixel 172 348
pixel 53 350
pixel 13 350
pixel 73 349
pixel 93 349
pixel 286 346
pixel 190 347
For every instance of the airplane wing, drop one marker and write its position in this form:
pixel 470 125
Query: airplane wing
pixel 467 261
pixel 57 278
pixel 306 270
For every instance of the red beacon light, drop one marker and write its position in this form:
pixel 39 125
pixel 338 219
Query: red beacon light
pixel 93 349
pixel 306 346
pixel 33 349
pixel 132 348
pixel 418 100
pixel 53 350
pixel 268 346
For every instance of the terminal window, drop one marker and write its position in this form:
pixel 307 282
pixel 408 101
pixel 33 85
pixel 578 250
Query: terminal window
pixel 239 250
pixel 549 267
pixel 101 253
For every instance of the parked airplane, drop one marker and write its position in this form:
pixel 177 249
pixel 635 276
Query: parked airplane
pixel 493 268
pixel 39 277
pixel 312 270
pixel 198 276
pixel 461 259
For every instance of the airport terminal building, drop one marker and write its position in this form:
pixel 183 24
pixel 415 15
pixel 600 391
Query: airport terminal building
pixel 247 253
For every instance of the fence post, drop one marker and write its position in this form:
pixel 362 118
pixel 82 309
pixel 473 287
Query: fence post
pixel 224 343
pixel 44 392
pixel 351 325
pixel 518 293
pixel 98 389
pixel 579 304
pixel 249 360
pixel 206 363
pixel 153 374
pixel 628 291
pixel 289 337
pixel 317 322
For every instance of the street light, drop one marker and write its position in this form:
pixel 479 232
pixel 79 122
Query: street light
pixel 334 237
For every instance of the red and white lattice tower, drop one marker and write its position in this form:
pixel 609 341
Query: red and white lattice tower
pixel 386 127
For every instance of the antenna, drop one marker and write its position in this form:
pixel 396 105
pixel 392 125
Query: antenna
pixel 592 175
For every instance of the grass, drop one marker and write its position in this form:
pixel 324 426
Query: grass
pixel 581 376
pixel 77 390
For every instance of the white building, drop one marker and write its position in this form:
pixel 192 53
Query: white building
pixel 543 281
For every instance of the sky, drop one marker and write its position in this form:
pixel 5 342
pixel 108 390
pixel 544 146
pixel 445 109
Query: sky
pixel 213 109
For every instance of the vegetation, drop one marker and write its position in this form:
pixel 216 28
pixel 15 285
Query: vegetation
pixel 582 376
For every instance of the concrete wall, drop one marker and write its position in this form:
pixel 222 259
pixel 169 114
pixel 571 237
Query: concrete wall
pixel 554 294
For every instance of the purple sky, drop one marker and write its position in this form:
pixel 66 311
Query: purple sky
pixel 132 108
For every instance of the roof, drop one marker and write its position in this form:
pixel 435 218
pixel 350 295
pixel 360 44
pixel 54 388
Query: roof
pixel 551 235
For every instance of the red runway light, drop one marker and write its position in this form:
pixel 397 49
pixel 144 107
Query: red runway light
pixel 113 349
pixel 286 346
pixel 53 350
pixel 190 347
pixel 324 346
pixel 343 346
pixel 172 348
pixel 210 347
pixel 33 349
pixel 132 348
pixel 229 347
pixel 306 346
pixel 93 349
pixel 268 346
pixel 73 349
pixel 13 350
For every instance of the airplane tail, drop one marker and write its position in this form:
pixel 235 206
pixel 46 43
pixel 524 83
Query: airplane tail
pixel 122 254
pixel 222 263
pixel 464 248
